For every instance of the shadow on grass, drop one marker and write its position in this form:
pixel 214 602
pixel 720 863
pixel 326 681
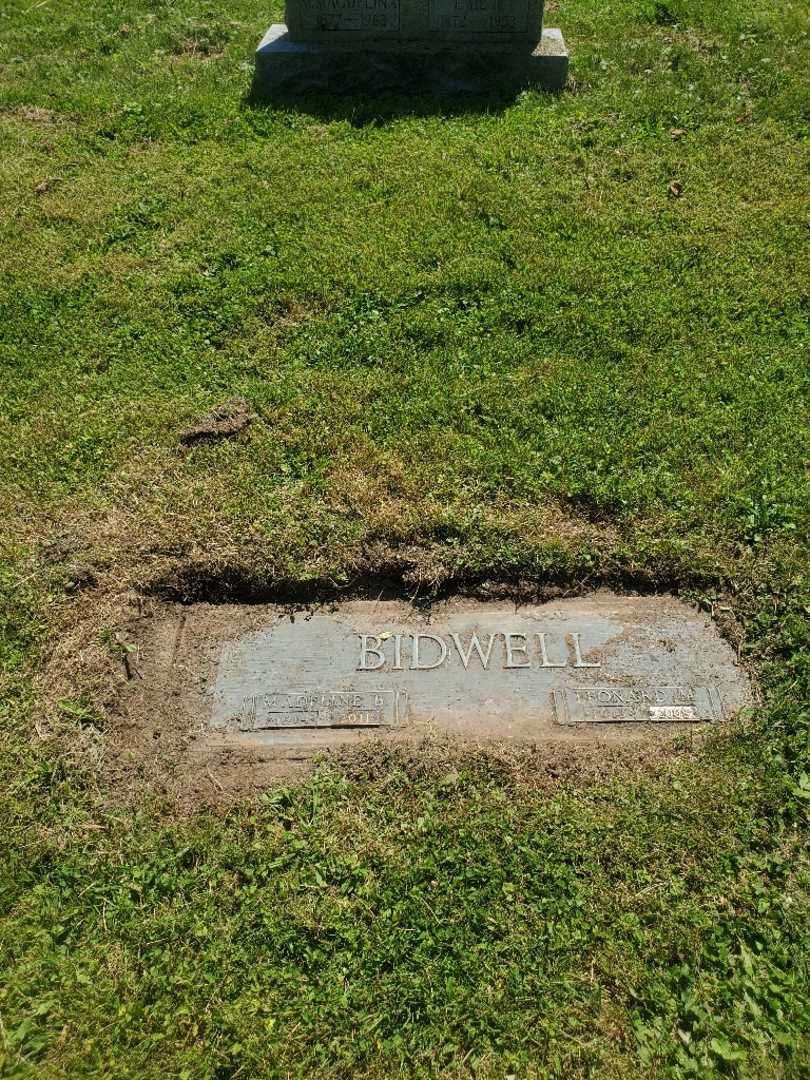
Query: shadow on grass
pixel 374 95
pixel 395 580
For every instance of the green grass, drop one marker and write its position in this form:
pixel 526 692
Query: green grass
pixel 479 340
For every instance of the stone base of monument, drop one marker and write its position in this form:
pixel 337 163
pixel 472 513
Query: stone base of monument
pixel 292 65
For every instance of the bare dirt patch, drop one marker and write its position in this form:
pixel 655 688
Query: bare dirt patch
pixel 223 422
pixel 35 114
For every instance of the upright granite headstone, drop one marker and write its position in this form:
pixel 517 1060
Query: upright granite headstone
pixel 459 44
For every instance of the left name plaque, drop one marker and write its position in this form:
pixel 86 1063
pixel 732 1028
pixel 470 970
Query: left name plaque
pixel 320 709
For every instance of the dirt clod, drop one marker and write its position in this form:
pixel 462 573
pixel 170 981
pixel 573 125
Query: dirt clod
pixel 48 184
pixel 78 576
pixel 222 422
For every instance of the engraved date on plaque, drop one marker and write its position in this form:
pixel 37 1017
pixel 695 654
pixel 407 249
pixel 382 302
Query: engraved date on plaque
pixel 480 16
pixel 321 709
pixel 367 15
pixel 651 705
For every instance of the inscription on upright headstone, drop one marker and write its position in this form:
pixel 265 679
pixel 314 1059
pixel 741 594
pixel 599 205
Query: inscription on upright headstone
pixel 378 16
pixel 480 16
pixel 335 43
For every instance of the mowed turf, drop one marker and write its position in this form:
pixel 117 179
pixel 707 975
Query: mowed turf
pixel 521 338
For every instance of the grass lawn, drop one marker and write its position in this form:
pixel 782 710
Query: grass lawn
pixel 551 339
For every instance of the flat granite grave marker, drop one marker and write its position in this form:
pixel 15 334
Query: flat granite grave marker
pixel 563 670
pixel 449 44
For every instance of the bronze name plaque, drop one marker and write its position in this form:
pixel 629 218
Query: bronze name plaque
pixel 629 705
pixel 331 708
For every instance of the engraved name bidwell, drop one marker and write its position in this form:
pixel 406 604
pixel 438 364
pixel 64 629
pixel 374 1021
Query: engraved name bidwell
pixel 425 652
